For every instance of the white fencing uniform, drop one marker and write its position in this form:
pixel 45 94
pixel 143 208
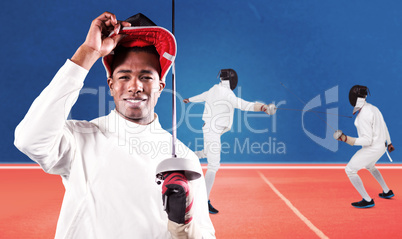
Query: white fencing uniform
pixel 372 136
pixel 108 166
pixel 220 102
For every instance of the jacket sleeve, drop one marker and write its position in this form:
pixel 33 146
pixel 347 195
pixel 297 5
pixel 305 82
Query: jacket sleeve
pixel 365 130
pixel 241 104
pixel 43 134
pixel 387 134
pixel 199 98
pixel 201 213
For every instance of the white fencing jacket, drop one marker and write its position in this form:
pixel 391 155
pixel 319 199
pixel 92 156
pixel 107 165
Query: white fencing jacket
pixel 371 127
pixel 107 166
pixel 220 102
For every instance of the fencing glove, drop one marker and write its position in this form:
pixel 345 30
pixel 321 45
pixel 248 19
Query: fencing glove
pixel 339 135
pixel 178 201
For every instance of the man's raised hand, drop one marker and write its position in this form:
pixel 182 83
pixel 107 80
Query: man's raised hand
pixel 98 42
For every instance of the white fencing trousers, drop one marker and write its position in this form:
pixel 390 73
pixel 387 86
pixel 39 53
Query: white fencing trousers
pixel 366 157
pixel 212 151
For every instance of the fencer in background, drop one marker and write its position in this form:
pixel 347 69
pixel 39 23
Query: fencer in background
pixel 220 102
pixel 374 138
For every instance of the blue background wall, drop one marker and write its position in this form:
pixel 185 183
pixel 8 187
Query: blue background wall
pixel 310 46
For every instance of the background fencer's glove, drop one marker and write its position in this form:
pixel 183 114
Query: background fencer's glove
pixel 269 109
pixel 177 197
pixel 339 135
pixel 390 148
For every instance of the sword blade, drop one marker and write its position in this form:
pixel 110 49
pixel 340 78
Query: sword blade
pixel 314 111
pixel 305 104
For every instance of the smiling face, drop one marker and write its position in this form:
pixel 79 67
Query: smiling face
pixel 136 86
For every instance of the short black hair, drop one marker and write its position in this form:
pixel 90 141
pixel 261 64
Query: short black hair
pixel 120 50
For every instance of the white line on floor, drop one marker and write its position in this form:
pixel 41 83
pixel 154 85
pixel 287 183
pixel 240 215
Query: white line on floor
pixel 238 167
pixel 20 167
pixel 317 231
pixel 295 167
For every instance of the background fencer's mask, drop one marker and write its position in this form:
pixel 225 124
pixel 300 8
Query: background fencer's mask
pixel 357 96
pixel 229 75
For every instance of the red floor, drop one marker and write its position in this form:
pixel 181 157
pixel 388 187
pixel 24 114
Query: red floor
pixel 249 207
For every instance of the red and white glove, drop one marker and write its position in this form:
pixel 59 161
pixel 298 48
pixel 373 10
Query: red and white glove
pixel 269 109
pixel 177 197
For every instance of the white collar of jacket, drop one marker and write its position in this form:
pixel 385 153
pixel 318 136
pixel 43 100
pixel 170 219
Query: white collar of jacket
pixel 359 104
pixel 124 126
pixel 225 83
